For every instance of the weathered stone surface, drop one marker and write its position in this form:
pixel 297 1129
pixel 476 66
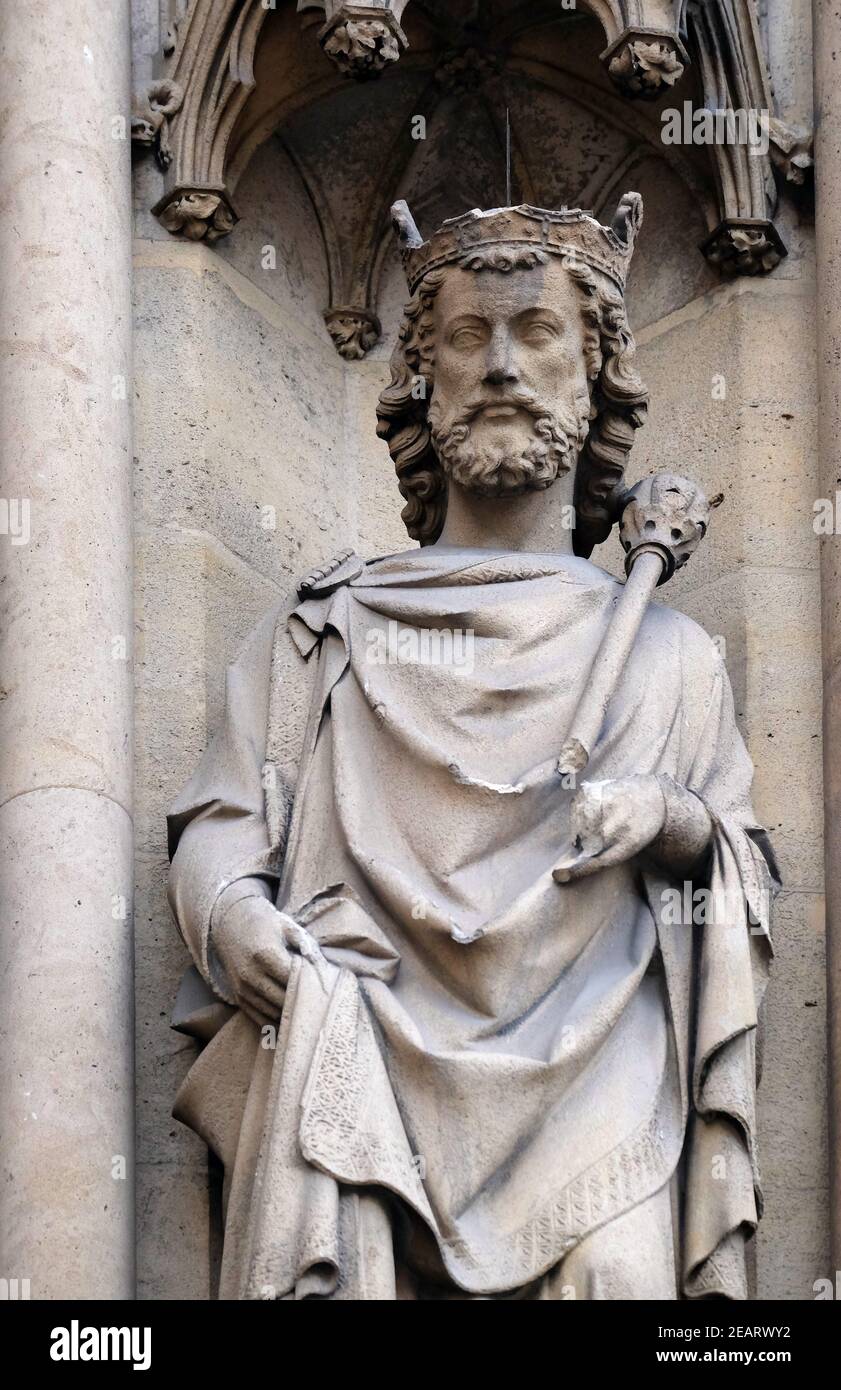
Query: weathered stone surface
pixel 66 1093
pixel 201 467
pixel 792 1106
pixel 777 703
pixel 282 251
pixel 828 313
pixel 66 1208
pixel 66 414
pixel 739 419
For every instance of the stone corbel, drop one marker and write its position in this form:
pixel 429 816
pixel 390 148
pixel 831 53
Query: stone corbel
pixel 362 39
pixel 734 75
pixel 188 114
pixel 354 330
pixel 645 53
pixel 745 246
pixel 645 64
pixel 195 213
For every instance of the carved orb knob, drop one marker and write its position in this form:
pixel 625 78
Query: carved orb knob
pixel 666 515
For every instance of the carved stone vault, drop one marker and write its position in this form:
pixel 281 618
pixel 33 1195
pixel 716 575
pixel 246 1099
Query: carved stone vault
pixel 353 90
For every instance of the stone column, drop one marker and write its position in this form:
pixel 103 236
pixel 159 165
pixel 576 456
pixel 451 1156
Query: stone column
pixel 66 1048
pixel 827 57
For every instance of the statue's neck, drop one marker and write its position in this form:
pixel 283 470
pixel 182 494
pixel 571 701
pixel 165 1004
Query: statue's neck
pixel 540 522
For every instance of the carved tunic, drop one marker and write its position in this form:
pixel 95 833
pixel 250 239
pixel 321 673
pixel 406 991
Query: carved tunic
pixel 484 1064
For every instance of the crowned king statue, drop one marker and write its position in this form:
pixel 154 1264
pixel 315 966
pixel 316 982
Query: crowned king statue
pixel 465 1034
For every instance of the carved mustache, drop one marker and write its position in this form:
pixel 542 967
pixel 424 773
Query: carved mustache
pixel 515 400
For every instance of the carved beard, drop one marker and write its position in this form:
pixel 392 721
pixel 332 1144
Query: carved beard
pixel 495 470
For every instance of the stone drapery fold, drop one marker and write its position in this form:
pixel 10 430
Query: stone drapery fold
pixel 516 1062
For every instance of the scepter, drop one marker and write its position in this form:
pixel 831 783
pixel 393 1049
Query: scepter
pixel 663 521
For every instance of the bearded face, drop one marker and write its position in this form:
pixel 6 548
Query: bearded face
pixel 510 407
pixel 502 446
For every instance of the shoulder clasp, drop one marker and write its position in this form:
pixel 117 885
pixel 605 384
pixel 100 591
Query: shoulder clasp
pixel 331 576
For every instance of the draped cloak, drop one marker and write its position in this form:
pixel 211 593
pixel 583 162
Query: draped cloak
pixel 512 1062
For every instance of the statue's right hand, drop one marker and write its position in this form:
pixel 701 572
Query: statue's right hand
pixel 249 942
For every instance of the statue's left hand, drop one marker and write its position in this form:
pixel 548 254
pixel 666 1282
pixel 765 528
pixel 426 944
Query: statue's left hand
pixel 609 823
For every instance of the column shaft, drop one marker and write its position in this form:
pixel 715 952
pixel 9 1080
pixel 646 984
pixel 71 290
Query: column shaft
pixel 66 1047
pixel 827 51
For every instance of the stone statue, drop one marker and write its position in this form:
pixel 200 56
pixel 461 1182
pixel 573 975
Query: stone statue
pixel 477 1026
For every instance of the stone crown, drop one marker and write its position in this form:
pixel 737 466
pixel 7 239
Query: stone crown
pixel 567 232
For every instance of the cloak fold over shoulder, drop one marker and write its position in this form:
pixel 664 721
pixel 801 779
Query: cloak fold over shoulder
pixel 519 1063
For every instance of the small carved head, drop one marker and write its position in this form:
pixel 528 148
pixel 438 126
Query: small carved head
pixel 514 364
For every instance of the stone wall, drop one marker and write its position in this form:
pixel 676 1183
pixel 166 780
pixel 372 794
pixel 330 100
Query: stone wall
pixel 757 587
pixel 242 485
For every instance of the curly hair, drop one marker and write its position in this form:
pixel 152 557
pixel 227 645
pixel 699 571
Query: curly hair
pixel 619 401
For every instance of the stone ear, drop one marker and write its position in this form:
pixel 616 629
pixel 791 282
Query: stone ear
pixel 627 219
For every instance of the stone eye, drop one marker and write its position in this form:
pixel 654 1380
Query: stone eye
pixel 466 338
pixel 539 333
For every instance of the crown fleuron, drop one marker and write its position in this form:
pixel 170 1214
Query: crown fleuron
pixel 568 232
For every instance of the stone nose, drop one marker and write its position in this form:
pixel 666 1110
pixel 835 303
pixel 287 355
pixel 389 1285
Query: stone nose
pixel 498 376
pixel 501 367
